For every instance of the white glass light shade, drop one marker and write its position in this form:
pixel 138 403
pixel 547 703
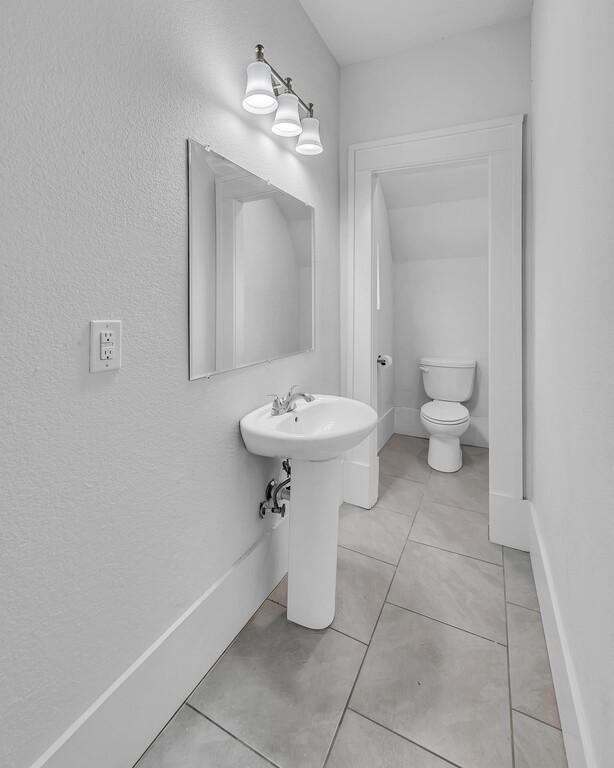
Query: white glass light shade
pixel 287 121
pixel 259 97
pixel 309 142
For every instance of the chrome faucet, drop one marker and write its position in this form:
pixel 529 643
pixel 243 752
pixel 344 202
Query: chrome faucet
pixel 287 404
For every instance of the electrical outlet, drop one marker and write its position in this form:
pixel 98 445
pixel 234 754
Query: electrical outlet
pixel 106 349
pixel 105 345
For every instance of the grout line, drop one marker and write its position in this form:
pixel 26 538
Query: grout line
pixel 404 477
pixel 270 599
pixel 457 506
pixel 372 557
pixel 447 624
pixel 526 607
pixel 509 672
pixel 232 735
pixel 400 735
pixel 157 736
pixel 185 701
pixel 345 634
pixel 407 477
pixel 377 508
pixel 452 552
pixel 347 702
pixel 537 720
pixel 215 663
pixel 387 506
pixel 330 626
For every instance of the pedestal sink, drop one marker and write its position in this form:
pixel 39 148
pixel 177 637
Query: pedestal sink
pixel 313 436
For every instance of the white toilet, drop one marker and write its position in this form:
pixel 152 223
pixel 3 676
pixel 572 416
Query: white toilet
pixel 449 383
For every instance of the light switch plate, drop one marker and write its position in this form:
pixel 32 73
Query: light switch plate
pixel 105 345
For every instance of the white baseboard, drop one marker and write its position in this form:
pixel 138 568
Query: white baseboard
pixel 407 422
pixel 509 521
pixel 122 722
pixel 385 428
pixel 477 433
pixel 360 483
pixel 578 744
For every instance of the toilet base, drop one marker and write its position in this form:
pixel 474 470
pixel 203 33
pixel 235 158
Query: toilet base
pixel 445 453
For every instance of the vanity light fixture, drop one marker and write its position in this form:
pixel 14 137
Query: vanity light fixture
pixel 309 142
pixel 267 91
pixel 260 98
pixel 287 121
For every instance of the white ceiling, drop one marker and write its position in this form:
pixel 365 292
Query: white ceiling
pixel 440 184
pixel 359 30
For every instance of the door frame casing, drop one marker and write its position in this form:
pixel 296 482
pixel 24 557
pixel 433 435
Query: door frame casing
pixel 499 142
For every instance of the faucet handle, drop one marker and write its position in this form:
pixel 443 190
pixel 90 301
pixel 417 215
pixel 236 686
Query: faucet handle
pixel 277 403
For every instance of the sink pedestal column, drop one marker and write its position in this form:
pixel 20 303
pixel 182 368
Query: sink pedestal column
pixel 312 552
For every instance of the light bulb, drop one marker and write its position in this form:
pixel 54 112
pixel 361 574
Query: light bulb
pixel 259 97
pixel 309 142
pixel 287 121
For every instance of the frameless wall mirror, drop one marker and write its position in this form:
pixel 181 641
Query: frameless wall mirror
pixel 251 267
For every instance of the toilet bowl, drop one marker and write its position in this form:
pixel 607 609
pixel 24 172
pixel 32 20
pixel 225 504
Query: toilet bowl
pixel 449 383
pixel 445 427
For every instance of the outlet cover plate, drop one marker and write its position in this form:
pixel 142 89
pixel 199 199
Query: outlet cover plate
pixel 105 332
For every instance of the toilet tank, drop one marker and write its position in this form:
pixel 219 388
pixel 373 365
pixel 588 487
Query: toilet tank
pixel 446 379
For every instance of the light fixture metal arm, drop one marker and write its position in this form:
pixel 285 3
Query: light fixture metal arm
pixel 280 82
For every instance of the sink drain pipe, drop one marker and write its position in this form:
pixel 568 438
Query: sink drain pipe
pixel 277 494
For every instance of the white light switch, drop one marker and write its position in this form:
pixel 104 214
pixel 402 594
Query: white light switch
pixel 105 345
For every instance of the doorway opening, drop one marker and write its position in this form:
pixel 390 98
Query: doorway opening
pixel 485 157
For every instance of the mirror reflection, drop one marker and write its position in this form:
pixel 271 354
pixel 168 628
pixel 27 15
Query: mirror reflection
pixel 251 267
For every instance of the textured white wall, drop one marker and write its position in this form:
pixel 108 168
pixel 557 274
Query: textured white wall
pixel 572 409
pixel 125 496
pixel 462 79
pixel 440 269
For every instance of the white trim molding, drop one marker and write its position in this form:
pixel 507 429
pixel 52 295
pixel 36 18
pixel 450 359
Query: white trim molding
pixel 360 478
pixel 578 744
pixel 499 143
pixel 509 521
pixel 117 728
pixel 386 427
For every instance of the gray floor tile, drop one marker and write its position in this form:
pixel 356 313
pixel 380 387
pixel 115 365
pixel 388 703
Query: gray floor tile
pixel 519 582
pixel 438 686
pixel 405 457
pixel 530 676
pixel 476 458
pixel 407 443
pixel 467 488
pixel 191 741
pixel 362 584
pixel 376 532
pixel 537 745
pixel 452 588
pixel 280 593
pixel 399 494
pixel 458 530
pixel 361 743
pixel 282 688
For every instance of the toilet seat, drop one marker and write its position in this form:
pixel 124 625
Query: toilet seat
pixel 444 412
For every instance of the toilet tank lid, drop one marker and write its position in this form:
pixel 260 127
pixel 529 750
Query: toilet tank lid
pixel 442 362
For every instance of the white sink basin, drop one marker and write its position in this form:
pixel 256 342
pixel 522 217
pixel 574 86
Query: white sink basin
pixel 313 437
pixel 316 431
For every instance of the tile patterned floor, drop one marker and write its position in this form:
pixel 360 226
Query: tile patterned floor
pixel 436 656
